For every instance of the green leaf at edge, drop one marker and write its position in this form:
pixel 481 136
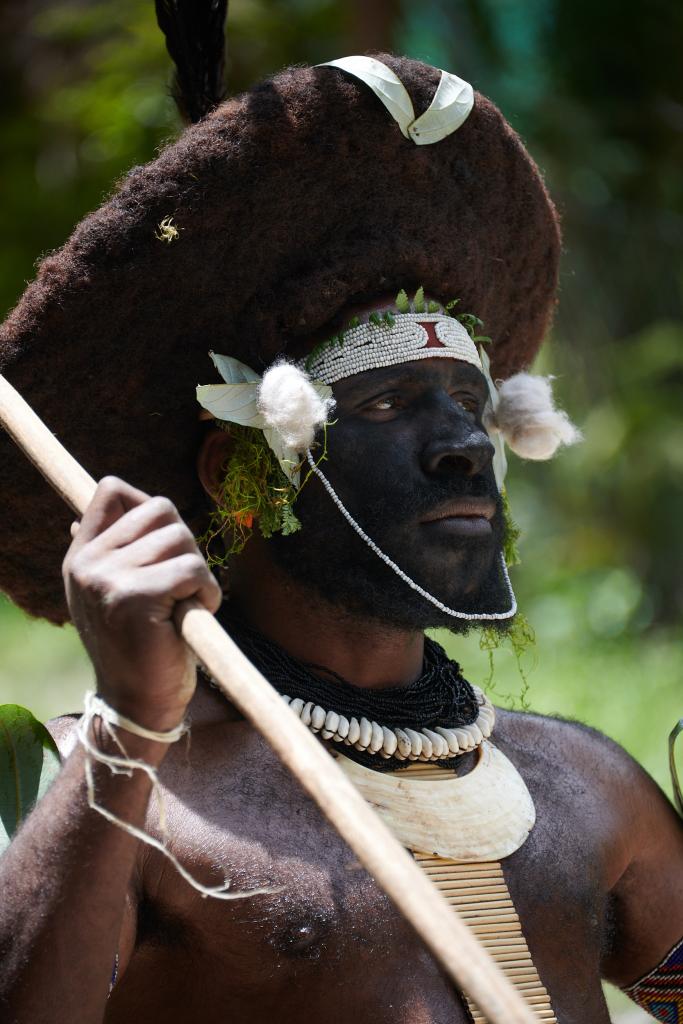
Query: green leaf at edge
pixel 29 762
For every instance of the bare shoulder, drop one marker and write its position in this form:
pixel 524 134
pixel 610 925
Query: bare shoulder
pixel 607 829
pixel 579 770
pixel 582 756
pixel 565 742
pixel 63 732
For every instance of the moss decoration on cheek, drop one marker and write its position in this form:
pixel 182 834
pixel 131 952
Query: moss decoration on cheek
pixel 520 634
pixel 254 491
pixel 521 638
pixel 512 533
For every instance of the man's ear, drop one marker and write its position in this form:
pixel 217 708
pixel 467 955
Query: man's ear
pixel 213 455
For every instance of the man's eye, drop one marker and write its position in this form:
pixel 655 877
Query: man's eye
pixel 468 402
pixel 385 404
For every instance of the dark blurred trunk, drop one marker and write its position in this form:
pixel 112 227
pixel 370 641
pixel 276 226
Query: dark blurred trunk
pixel 371 24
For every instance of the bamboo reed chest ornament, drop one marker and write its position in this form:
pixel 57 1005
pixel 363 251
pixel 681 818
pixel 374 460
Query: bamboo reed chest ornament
pixel 459 829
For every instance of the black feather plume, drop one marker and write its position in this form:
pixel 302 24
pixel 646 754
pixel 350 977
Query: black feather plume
pixel 195 39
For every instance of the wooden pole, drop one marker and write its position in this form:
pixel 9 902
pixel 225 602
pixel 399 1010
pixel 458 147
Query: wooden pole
pixel 438 925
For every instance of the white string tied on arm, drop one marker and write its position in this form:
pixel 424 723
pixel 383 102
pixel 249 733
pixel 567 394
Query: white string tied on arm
pixel 122 764
pixel 109 717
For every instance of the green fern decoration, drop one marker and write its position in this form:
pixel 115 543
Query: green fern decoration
pixel 419 300
pixel 471 323
pixel 290 523
pixel 403 302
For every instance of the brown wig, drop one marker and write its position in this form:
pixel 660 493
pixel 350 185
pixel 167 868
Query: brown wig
pixel 288 203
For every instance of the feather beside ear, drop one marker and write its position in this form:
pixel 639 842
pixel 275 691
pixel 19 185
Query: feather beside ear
pixel 527 418
pixel 195 40
pixel 292 405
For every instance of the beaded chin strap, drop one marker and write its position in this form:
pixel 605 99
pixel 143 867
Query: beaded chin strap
pixel 469 616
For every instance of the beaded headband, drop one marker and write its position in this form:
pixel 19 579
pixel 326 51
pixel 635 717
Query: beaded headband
pixel 402 338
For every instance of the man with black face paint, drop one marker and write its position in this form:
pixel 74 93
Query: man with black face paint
pixel 412 460
pixel 560 852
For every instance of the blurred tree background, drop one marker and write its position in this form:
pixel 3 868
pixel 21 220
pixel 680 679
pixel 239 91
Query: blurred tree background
pixel 596 91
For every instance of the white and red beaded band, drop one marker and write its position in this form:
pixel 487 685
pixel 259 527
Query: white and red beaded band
pixel 370 346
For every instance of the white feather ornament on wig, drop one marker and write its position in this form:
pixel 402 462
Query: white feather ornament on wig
pixel 292 405
pixel 527 418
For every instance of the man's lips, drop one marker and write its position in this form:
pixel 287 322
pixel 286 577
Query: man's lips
pixel 479 508
pixel 462 516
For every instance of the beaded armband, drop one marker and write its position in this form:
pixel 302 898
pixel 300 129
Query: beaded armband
pixel 660 993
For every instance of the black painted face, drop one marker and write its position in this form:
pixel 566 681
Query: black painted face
pixel 410 459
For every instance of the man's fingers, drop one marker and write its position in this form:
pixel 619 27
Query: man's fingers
pixel 185 576
pixel 112 499
pixel 162 544
pixel 150 515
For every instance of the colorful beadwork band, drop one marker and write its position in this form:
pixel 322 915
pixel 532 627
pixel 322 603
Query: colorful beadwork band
pixel 660 992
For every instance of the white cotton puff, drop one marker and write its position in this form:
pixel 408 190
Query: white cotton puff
pixel 291 405
pixel 528 420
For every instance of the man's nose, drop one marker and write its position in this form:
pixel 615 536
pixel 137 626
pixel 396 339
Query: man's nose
pixel 465 452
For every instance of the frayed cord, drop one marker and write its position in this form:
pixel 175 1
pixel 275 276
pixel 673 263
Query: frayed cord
pixel 95 707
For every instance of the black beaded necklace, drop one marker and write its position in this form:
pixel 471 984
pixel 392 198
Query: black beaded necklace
pixel 441 696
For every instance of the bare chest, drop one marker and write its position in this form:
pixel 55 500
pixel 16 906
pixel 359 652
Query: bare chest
pixel 308 931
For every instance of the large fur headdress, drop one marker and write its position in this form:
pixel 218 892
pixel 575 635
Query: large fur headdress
pixel 247 236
